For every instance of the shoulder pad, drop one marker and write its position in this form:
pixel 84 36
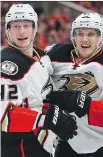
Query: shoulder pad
pixel 13 64
pixel 97 58
pixel 60 52
pixel 39 51
pixel 48 48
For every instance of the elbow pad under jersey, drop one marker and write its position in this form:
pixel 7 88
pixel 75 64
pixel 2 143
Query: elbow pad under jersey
pixel 21 120
pixel 95 115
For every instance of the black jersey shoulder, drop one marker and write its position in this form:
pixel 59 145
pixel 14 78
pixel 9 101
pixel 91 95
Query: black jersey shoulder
pixel 61 52
pixel 14 64
pixel 39 51
pixel 97 58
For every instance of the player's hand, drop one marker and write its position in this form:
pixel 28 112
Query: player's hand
pixel 60 122
pixel 71 101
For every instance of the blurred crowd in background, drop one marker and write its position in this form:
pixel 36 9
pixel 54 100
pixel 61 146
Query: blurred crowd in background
pixel 54 24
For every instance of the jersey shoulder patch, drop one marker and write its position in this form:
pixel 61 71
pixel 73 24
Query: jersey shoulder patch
pixel 13 64
pixel 9 67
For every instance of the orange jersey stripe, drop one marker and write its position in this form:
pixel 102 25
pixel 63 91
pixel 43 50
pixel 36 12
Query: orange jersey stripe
pixel 21 119
pixel 96 113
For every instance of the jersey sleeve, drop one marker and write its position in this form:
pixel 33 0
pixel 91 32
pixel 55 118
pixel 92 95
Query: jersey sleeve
pixel 95 115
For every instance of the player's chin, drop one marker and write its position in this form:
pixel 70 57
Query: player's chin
pixel 23 45
pixel 86 53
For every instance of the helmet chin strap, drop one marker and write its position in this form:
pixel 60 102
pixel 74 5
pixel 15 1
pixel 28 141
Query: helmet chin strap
pixel 76 51
pixel 19 48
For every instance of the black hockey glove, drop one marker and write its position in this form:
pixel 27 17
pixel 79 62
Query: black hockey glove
pixel 71 101
pixel 60 122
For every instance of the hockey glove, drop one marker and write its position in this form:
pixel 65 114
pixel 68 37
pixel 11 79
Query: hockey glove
pixel 71 101
pixel 60 122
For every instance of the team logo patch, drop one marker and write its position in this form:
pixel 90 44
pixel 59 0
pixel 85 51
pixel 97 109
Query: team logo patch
pixel 9 68
pixel 81 82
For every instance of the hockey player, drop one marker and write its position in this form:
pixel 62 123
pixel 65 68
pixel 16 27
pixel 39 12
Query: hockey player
pixel 25 82
pixel 79 67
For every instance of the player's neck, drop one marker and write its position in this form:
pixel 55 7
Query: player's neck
pixel 29 51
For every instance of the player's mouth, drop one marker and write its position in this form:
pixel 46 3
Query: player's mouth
pixel 85 46
pixel 22 39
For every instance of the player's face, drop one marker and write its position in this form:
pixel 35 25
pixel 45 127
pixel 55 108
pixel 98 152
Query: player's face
pixel 86 41
pixel 21 33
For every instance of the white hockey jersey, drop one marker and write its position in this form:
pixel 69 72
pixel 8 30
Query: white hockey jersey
pixel 70 72
pixel 25 82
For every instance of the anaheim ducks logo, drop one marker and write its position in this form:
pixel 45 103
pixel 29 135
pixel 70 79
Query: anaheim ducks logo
pixel 80 82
